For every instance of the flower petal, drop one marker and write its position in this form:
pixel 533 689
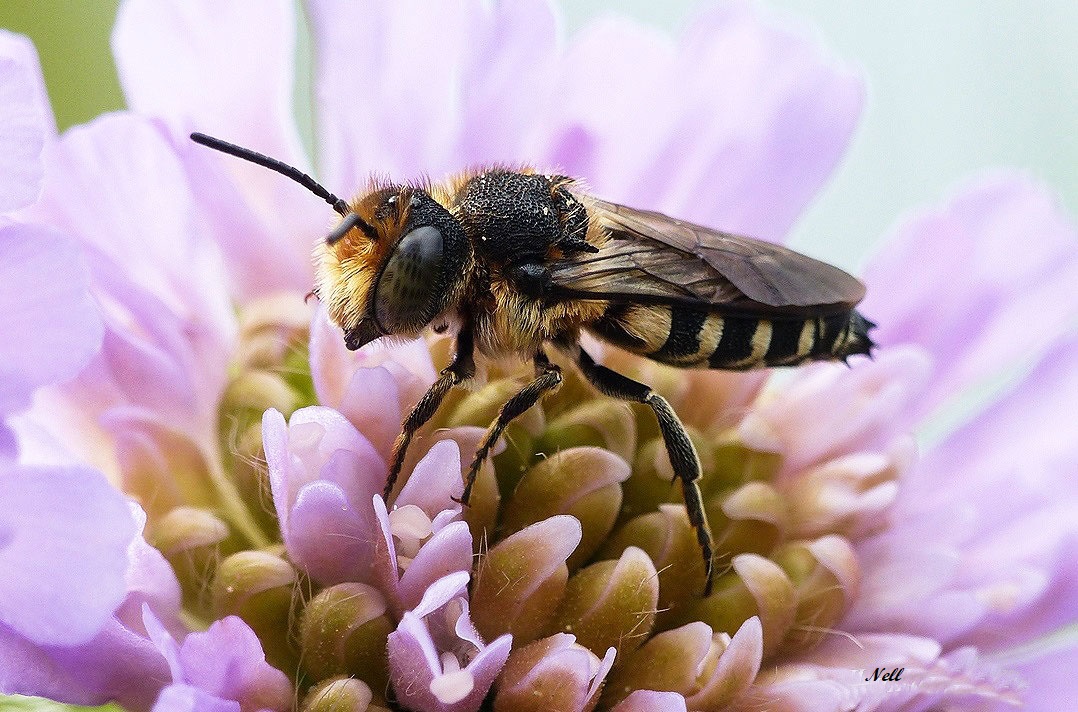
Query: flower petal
pixel 736 669
pixel 997 261
pixel 440 78
pixel 827 411
pixel 307 450
pixel 425 679
pixel 50 323
pixel 150 580
pixel 435 482
pixel 756 121
pixel 117 665
pixel 335 370
pixel 227 661
pixel 64 537
pixel 651 701
pixel 229 72
pixel 1048 677
pixel 25 122
pixel 328 537
pixel 145 221
pixel 449 550
pixel 187 698
pixel 210 68
pixel 988 571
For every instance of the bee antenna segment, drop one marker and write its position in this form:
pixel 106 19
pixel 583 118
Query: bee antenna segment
pixel 351 220
pixel 274 165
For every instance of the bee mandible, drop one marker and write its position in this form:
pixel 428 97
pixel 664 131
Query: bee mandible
pixel 521 262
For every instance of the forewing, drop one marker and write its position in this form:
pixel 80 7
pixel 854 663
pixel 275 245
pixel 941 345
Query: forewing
pixel 650 257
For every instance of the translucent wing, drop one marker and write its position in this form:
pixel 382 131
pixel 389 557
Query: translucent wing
pixel 649 257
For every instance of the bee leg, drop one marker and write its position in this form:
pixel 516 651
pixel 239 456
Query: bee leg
pixel 547 379
pixel 458 371
pixel 679 448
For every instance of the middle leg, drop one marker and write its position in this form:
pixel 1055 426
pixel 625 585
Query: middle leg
pixel 547 380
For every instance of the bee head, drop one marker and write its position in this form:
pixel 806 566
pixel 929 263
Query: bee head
pixel 391 265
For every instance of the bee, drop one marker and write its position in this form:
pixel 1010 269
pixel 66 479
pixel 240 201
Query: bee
pixel 521 262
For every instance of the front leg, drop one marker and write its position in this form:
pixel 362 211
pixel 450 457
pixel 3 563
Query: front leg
pixel 460 370
pixel 679 447
pixel 547 379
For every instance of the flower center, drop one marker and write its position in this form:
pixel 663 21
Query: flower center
pixel 454 684
pixel 410 527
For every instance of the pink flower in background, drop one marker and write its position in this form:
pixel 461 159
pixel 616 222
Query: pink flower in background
pixel 256 445
pixel 71 548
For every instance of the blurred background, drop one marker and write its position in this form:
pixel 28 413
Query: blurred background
pixel 955 88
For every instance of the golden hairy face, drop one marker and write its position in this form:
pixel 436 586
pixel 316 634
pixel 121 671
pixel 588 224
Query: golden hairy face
pixel 347 269
pixel 392 273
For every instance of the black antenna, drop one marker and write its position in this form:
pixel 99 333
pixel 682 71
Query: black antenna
pixel 284 169
pixel 351 220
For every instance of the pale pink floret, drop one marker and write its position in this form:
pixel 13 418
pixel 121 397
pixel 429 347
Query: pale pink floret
pixel 423 537
pixel 437 660
pixel 222 667
pixel 322 473
pixel 554 664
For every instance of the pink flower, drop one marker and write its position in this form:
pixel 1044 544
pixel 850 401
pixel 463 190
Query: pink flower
pixel 437 649
pixel 256 444
pixel 221 668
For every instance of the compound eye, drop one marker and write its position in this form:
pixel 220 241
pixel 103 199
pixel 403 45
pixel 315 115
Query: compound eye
pixel 408 295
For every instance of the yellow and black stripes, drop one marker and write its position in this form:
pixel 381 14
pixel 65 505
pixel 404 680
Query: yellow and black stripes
pixel 688 335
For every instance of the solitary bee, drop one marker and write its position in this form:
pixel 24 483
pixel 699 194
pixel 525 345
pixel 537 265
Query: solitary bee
pixel 520 261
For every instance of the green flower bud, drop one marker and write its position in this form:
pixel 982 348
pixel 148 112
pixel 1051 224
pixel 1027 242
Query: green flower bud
pixel 481 407
pixel 611 604
pixel 270 330
pixel 259 587
pixel 826 577
pixel 248 471
pixel 652 481
pixel 191 539
pixel 554 673
pixel 338 694
pixel 481 514
pixel 162 468
pixel 756 587
pixel 254 391
pixel 520 582
pixel 670 661
pixel 185 529
pixel 583 482
pixel 750 519
pixel 670 542
pixel 343 631
pixel 736 463
pixel 595 422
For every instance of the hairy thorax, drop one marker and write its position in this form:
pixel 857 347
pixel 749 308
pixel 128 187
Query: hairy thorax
pixel 518 222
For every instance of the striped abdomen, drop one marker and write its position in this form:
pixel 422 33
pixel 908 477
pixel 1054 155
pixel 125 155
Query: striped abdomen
pixel 691 336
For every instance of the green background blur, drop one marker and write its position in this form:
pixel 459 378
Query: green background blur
pixel 955 87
